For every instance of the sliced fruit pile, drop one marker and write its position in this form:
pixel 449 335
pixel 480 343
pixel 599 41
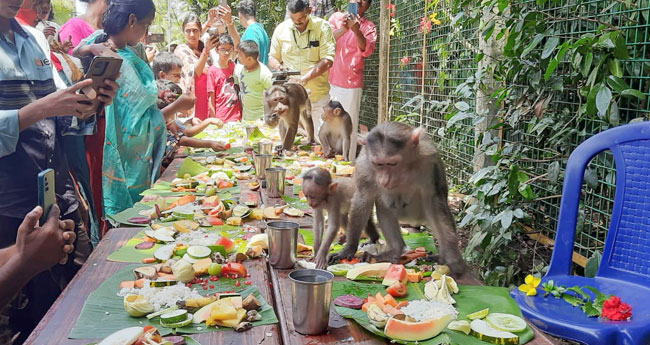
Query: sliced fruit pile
pixel 494 328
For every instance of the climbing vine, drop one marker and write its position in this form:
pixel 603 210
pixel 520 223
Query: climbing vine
pixel 535 84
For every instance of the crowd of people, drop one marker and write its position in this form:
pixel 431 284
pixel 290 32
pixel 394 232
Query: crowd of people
pixel 104 159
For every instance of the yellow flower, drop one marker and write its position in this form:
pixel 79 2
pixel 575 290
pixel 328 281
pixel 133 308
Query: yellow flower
pixel 433 18
pixel 530 288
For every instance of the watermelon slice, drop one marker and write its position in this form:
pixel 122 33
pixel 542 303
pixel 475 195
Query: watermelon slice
pixel 227 243
pixel 395 274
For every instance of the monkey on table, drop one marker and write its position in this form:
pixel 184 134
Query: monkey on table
pixel 335 133
pixel 400 171
pixel 288 106
pixel 333 196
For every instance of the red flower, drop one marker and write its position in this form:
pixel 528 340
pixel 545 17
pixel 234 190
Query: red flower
pixel 391 9
pixel 425 25
pixel 404 61
pixel 615 310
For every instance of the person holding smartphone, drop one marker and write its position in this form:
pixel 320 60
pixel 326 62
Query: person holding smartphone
pixel 30 141
pixel 356 39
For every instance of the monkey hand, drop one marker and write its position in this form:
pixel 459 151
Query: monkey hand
pixel 321 261
pixel 392 256
pixel 347 252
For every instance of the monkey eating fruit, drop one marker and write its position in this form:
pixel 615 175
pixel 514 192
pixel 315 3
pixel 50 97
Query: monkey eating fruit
pixel 287 106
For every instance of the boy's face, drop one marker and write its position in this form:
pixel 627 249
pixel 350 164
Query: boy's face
pixel 246 60
pixel 9 8
pixel 174 75
pixel 225 51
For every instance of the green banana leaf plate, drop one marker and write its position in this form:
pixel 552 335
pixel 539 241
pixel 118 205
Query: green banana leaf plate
pixel 103 313
pixel 469 299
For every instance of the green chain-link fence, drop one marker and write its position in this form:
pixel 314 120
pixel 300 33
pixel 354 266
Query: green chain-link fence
pixel 450 60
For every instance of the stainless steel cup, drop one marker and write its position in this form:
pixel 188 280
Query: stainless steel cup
pixel 261 163
pixel 312 296
pixel 283 240
pixel 275 182
pixel 265 148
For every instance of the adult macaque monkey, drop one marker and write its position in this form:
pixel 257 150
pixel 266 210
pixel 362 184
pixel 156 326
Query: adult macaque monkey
pixel 400 171
pixel 288 105
pixel 336 132
pixel 333 196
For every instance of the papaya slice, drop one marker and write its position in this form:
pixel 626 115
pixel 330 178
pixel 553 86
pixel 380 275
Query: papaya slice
pixel 186 199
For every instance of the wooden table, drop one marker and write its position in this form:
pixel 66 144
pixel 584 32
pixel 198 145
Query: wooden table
pixel 340 330
pixel 274 285
pixel 61 318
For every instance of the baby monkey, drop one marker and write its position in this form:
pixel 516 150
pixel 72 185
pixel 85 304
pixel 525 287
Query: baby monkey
pixel 336 132
pixel 333 196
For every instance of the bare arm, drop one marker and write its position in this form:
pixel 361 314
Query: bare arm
pixel 323 66
pixel 200 65
pixel 184 102
pixel 194 130
pixel 338 33
pixel 361 39
pixel 204 144
pixel 275 64
pixel 211 104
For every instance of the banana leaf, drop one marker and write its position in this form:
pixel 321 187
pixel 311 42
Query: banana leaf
pixel 469 299
pixel 190 167
pixel 103 313
pixel 123 217
pixel 257 135
pixel 295 202
pixel 128 253
pixel 188 341
pixel 413 240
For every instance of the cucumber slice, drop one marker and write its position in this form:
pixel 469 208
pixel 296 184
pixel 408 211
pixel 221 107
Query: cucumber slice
pixel 484 331
pixel 506 322
pixel 182 323
pixel 198 252
pixel 162 283
pixel 160 312
pixel 164 253
pixel 479 314
pixel 340 269
pixel 241 211
pixel 174 316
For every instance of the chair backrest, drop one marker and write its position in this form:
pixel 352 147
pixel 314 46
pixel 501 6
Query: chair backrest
pixel 627 248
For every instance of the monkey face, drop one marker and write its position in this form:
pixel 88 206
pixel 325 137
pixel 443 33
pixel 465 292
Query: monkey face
pixel 275 105
pixel 315 194
pixel 328 113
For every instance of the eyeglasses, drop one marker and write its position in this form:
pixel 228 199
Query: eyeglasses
pixel 225 50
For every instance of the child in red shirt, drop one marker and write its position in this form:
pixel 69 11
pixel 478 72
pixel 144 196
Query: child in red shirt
pixel 223 96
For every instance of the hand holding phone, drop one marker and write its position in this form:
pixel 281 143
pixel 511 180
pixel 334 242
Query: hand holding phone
pixel 101 68
pixel 46 192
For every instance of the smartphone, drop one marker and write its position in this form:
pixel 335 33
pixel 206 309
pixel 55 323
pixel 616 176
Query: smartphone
pixel 223 3
pixel 46 195
pixel 101 68
pixel 353 8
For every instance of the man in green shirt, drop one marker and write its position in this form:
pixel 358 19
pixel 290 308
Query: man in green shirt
pixel 305 43
pixel 254 30
pixel 253 79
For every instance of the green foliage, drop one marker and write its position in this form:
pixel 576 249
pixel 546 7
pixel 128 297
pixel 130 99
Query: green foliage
pixel 540 67
pixel 63 10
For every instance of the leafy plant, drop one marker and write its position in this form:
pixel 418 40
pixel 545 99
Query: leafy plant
pixel 539 68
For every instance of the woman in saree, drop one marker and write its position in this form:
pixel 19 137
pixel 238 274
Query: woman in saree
pixel 135 128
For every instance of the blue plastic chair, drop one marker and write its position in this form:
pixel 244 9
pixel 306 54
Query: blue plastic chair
pixel 625 265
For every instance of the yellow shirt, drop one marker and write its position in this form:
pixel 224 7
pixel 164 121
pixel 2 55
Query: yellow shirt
pixel 302 51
